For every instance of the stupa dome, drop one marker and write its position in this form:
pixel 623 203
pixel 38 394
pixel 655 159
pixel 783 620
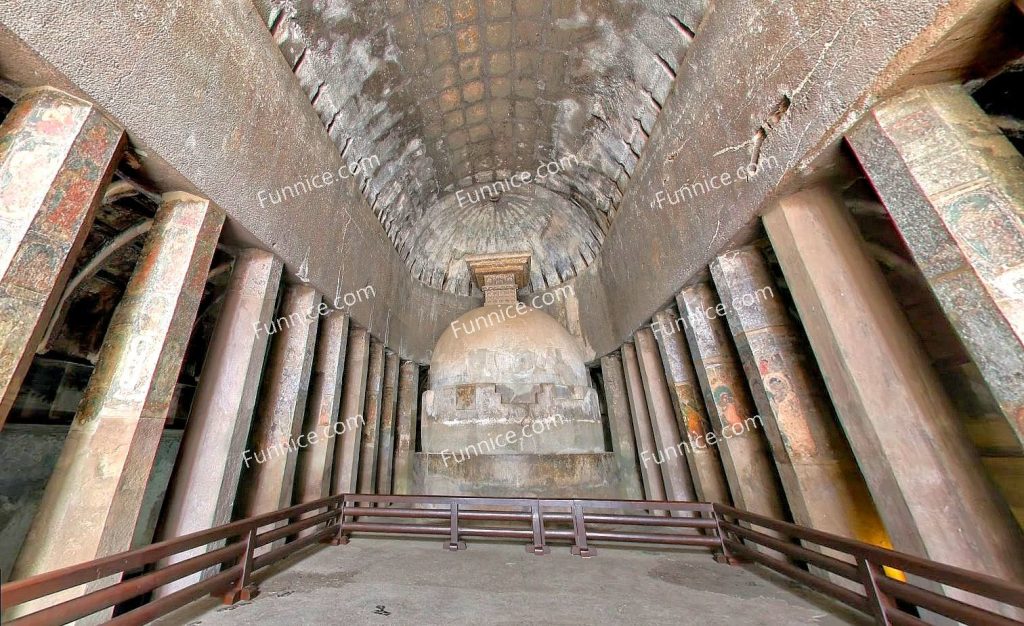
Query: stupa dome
pixel 504 344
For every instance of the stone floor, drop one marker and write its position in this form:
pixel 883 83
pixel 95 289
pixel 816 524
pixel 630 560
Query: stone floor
pixel 407 581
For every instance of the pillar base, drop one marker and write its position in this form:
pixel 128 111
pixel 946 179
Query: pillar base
pixel 454 546
pixel 538 550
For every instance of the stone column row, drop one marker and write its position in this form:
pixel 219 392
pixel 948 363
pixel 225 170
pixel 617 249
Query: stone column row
pixel 923 472
pixel 92 501
pixel 270 402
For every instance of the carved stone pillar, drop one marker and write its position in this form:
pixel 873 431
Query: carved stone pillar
pixel 671 453
pixel 313 479
pixel 353 393
pixel 57 153
pixel 107 458
pixel 389 398
pixel 620 422
pixel 277 430
pixel 954 186
pixel 650 472
pixel 705 464
pixel 405 426
pixel 753 483
pixel 205 480
pixel 371 412
pixel 921 468
pixel 823 485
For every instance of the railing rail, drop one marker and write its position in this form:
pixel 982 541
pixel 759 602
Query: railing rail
pixel 849 571
pixel 962 595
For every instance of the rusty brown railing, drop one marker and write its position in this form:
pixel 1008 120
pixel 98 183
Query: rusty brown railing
pixel 849 571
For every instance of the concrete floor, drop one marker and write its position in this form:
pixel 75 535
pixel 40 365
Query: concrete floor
pixel 400 581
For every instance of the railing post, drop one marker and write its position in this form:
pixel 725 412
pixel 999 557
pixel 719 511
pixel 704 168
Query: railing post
pixel 878 601
pixel 454 544
pixel 539 546
pixel 579 527
pixel 243 589
pixel 726 556
pixel 340 538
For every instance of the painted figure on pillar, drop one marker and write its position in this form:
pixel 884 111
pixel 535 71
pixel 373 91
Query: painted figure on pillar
pixel 727 405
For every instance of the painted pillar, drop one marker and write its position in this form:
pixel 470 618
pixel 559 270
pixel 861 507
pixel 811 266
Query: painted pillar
pixel 101 475
pixel 389 398
pixel 671 453
pixel 753 483
pixel 270 479
pixel 620 422
pixel 823 485
pixel 353 392
pixel 205 479
pixel 924 473
pixel 57 153
pixel 705 464
pixel 367 481
pixel 405 426
pixel 313 475
pixel 954 186
pixel 650 472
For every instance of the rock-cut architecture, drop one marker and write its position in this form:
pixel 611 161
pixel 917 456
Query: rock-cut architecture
pixel 542 271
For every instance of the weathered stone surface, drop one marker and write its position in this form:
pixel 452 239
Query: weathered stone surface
pixel 534 475
pixel 270 478
pixel 753 482
pixel 621 425
pixel 650 472
pixel 456 417
pixel 870 46
pixel 102 471
pixel 923 472
pixel 347 445
pixel 405 426
pixel 57 153
pixel 237 144
pixel 507 379
pixel 670 454
pixel 313 475
pixel 205 482
pixel 386 455
pixel 367 482
pixel 823 485
pixel 472 96
pixel 705 463
pixel 954 186
pixel 30 452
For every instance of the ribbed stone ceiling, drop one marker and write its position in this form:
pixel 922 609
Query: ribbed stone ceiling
pixel 450 95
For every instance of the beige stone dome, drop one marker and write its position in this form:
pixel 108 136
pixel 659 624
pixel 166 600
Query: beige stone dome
pixel 497 344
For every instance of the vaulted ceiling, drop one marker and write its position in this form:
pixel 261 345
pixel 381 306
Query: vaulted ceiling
pixel 450 95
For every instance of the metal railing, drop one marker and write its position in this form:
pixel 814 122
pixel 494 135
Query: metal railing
pixel 849 571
